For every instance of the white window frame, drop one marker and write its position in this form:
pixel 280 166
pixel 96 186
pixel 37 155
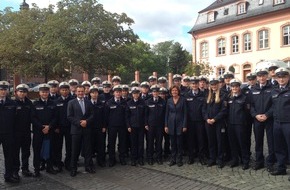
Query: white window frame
pixel 210 17
pixel 235 44
pixel 247 42
pixel 242 8
pixel 263 39
pixel 221 71
pixel 221 46
pixel 278 2
pixel 286 35
pixel 204 50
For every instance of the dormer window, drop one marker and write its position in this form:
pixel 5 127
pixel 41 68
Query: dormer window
pixel 210 17
pixel 278 2
pixel 242 8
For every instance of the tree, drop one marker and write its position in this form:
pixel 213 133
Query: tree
pixel 232 69
pixel 198 69
pixel 179 58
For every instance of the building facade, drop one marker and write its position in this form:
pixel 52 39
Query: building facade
pixel 241 33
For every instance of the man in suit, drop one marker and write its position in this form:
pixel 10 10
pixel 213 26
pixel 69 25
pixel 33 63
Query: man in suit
pixel 80 115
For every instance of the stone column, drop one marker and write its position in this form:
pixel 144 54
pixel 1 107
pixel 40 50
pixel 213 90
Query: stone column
pixel 170 76
pixel 137 76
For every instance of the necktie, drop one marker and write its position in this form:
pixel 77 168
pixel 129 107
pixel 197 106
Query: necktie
pixel 155 99
pixel 82 105
pixel 228 88
pixel 95 102
pixel 118 101
pixel 282 88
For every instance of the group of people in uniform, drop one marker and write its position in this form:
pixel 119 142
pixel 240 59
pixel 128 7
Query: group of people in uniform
pixel 209 120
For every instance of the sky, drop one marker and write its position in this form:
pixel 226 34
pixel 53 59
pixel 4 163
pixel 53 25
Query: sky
pixel 155 20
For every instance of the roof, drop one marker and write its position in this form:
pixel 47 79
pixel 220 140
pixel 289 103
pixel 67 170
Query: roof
pixel 219 6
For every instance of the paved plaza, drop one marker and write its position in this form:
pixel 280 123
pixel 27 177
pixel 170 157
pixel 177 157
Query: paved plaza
pixel 156 177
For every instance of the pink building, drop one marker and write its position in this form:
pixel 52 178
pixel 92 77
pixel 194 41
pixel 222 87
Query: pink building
pixel 242 33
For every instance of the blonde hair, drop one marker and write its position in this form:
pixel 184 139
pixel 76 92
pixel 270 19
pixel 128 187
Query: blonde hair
pixel 217 96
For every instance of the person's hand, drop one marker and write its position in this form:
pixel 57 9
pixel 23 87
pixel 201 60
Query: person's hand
pixel 166 130
pixel 184 130
pixel 103 130
pixel 260 118
pixel 129 130
pixel 147 127
pixel 56 130
pixel 83 123
pixel 45 130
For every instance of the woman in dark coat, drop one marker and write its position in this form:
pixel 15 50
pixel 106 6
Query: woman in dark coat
pixel 175 124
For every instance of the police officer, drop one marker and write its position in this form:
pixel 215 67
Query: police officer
pixel 135 83
pixel 22 129
pixel 53 91
pixel 115 113
pixel 221 81
pixel 7 124
pixel 135 118
pixel 214 113
pixel 96 81
pixel 152 80
pixel 280 110
pixel 272 78
pixel 125 92
pixel 98 127
pixel 261 112
pixel 162 82
pixel 145 86
pixel 116 80
pixel 154 124
pixel 106 95
pixel 186 84
pixel 44 121
pixel 72 86
pixel 238 109
pixel 228 76
pixel 196 134
pixel 87 86
pixel 203 84
pixel 62 128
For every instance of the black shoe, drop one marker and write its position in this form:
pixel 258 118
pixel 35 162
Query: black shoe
pixel 42 167
pixel 179 164
pixel 171 163
pixel 102 164
pixel 141 162
pixel 133 163
pixel 258 166
pixel 51 171
pixel 90 170
pixel 150 162
pixel 245 166
pixel 270 168
pixel 278 172
pixel 221 165
pixel 211 163
pixel 26 173
pixel 16 176
pixel 123 162
pixel 159 162
pixel 58 169
pixel 234 163
pixel 112 163
pixel 190 161
pixel 289 178
pixel 11 180
pixel 202 161
pixel 73 173
pixel 36 174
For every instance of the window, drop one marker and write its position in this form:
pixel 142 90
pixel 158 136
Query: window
pixel 235 44
pixel 277 2
pixel 210 17
pixel 204 50
pixel 241 8
pixel 288 63
pixel 226 11
pixel 247 42
pixel 221 46
pixel 221 71
pixel 263 39
pixel 286 35
pixel 261 2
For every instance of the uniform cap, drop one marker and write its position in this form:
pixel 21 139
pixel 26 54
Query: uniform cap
pixel 163 90
pixel 96 80
pixel 213 81
pixel 116 78
pixel 94 88
pixel 145 84
pixel 135 83
pixel 73 82
pixel 177 77
pixel 125 87
pixel 44 87
pixel 228 74
pixel 152 78
pixel 273 66
pixel 22 87
pixel 64 85
pixel 186 78
pixel 86 83
pixel 162 79
pixel 235 81
pixel 106 84
pixel 53 83
pixel 221 79
pixel 251 76
pixel 194 79
pixel 281 71
pixel 262 72
pixel 117 88
pixel 135 89
pixel 204 78
pixel 155 87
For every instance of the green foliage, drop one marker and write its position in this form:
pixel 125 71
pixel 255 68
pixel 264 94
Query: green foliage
pixel 232 69
pixel 198 69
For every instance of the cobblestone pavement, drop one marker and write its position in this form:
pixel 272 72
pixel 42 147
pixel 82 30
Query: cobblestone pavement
pixel 154 177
